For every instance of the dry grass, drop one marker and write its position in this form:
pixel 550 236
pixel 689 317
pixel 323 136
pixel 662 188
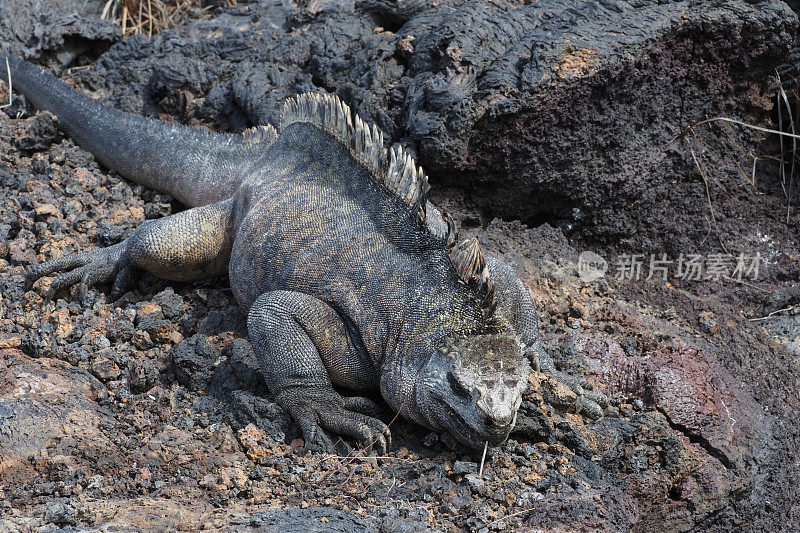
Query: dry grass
pixel 788 158
pixel 792 154
pixel 151 16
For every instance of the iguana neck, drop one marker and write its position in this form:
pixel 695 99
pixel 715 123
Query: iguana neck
pixel 411 348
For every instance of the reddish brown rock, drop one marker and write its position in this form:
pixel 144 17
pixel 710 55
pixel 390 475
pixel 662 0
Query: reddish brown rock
pixel 50 414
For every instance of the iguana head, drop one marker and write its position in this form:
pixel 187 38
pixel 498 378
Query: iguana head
pixel 472 387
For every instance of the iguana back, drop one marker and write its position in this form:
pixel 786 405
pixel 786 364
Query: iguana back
pixel 329 229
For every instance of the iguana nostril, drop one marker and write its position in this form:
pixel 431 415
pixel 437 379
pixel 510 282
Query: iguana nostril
pixel 502 421
pixel 497 413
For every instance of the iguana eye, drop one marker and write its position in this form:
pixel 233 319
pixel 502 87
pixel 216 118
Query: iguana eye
pixel 458 389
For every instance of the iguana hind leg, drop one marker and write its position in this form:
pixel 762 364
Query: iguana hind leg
pixel 303 347
pixel 190 245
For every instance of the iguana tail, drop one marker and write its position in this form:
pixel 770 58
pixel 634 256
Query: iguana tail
pixel 195 166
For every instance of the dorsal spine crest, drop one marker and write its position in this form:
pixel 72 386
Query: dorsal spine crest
pixel 395 169
pixel 470 263
pixel 261 134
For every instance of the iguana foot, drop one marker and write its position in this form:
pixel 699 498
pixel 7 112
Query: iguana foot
pixel 87 269
pixel 587 401
pixel 304 347
pixel 318 410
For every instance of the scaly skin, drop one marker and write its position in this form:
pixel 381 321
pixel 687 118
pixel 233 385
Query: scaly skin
pixel 350 279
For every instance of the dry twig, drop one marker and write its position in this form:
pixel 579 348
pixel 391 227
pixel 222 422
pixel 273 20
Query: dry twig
pixel 702 171
pixel 150 16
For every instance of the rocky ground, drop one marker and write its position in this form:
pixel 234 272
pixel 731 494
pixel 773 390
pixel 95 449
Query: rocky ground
pixel 147 413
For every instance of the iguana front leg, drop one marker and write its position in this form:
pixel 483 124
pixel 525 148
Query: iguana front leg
pixel 516 305
pixel 190 245
pixel 303 347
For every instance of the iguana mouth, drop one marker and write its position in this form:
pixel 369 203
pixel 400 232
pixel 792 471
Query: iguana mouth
pixel 466 433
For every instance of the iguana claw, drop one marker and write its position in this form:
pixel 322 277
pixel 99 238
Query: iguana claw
pixel 588 402
pixel 87 269
pixel 317 411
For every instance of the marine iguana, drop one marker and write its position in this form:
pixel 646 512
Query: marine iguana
pixel 350 276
